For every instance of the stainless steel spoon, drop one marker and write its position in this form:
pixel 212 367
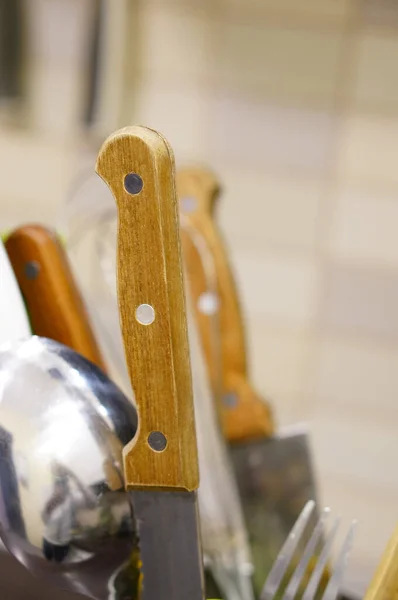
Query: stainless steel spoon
pixel 64 513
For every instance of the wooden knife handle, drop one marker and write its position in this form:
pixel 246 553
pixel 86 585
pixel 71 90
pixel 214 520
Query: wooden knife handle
pixel 54 303
pixel 245 415
pixel 138 166
pixel 384 585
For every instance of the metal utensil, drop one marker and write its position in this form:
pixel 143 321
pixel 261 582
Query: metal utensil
pixel 161 465
pixel 14 322
pixel 237 544
pixel 273 470
pixel 64 513
pixel 225 543
pixel 228 567
pixel 285 584
pixel 54 302
pixel 91 232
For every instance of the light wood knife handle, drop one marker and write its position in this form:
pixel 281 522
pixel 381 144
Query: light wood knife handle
pixel 245 415
pixel 138 166
pixel 384 585
pixel 53 300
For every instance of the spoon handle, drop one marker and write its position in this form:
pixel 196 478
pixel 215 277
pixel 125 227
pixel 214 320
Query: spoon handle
pixel 138 166
pixel 53 300
pixel 244 414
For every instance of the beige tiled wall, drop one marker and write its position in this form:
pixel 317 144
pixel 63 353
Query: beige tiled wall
pixel 295 105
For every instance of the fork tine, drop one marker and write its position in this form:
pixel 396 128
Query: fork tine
pixel 334 584
pixel 309 550
pixel 313 583
pixel 285 556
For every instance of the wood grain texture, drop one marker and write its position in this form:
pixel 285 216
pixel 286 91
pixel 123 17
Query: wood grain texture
pixel 53 300
pixel 149 268
pixel 384 585
pixel 248 416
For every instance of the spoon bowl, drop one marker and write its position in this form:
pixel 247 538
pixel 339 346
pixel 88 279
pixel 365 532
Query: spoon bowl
pixel 64 513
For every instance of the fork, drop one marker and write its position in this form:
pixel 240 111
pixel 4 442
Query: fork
pixel 316 540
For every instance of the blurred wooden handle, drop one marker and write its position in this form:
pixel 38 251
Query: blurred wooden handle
pixel 138 166
pixel 245 415
pixel 54 303
pixel 384 585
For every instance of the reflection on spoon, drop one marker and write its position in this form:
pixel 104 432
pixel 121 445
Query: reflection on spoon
pixel 67 516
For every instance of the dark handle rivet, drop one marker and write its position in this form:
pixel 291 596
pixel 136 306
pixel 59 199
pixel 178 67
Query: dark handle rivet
pixel 157 441
pixel 230 400
pixel 32 269
pixel 133 183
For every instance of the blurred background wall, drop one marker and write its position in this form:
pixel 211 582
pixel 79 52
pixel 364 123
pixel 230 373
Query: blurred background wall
pixel 294 104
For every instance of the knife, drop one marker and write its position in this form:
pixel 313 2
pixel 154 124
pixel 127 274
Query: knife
pixel 14 322
pixel 161 463
pixel 274 471
pixel 55 305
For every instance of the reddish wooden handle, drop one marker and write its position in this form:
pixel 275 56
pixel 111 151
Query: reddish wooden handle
pixel 54 303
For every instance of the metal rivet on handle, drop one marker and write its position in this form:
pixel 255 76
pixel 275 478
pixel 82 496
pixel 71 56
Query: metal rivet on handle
pixel 157 441
pixel 145 314
pixel 208 303
pixel 188 204
pixel 32 269
pixel 230 400
pixel 133 183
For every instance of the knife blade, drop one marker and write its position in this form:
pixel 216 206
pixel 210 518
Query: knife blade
pixel 273 470
pixel 161 463
pixel 54 302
